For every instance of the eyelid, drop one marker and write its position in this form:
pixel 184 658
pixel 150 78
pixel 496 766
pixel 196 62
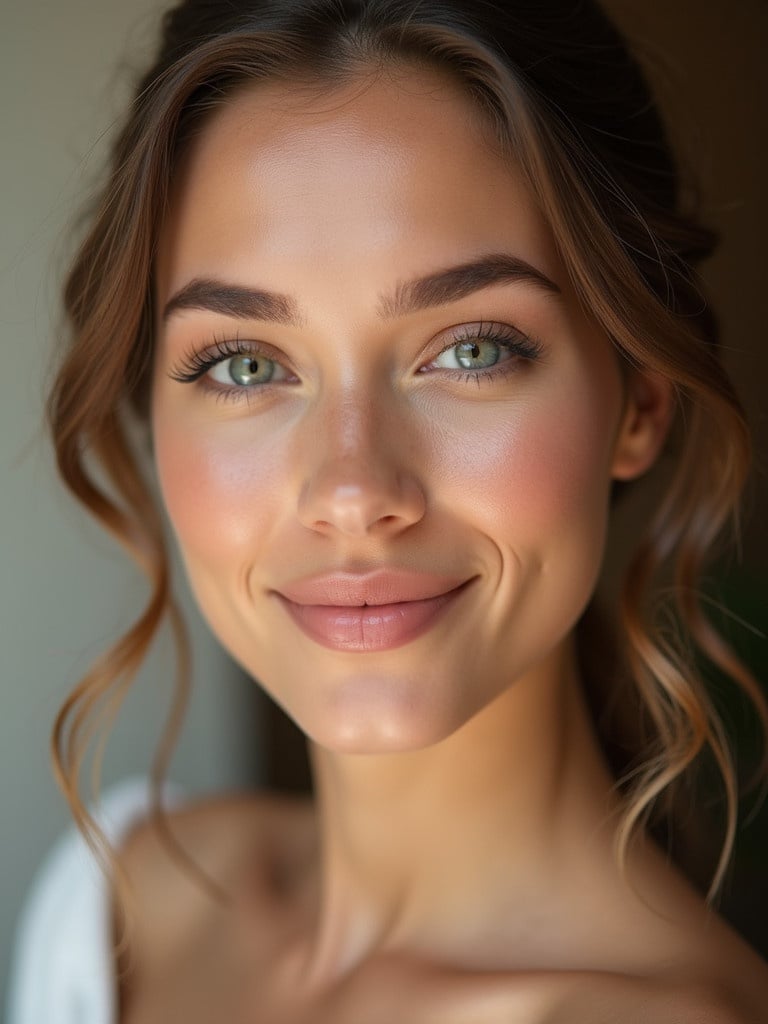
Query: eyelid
pixel 507 335
pixel 196 363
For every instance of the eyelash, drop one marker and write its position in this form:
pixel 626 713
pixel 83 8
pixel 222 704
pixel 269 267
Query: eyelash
pixel 508 338
pixel 196 364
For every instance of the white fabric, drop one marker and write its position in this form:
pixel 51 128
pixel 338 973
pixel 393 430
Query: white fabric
pixel 62 965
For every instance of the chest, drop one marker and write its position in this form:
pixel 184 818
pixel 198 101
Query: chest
pixel 213 982
pixel 210 985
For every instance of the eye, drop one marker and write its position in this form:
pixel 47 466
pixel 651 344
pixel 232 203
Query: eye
pixel 478 348
pixel 246 370
pixel 471 355
pixel 231 367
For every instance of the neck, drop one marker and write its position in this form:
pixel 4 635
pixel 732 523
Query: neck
pixel 445 852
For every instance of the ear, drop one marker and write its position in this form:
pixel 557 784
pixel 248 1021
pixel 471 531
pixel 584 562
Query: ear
pixel 649 407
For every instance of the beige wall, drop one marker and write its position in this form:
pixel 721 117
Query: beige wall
pixel 65 590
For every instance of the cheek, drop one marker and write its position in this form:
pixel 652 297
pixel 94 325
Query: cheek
pixel 220 486
pixel 534 483
pixel 536 469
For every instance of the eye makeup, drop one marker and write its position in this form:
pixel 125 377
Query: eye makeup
pixel 253 366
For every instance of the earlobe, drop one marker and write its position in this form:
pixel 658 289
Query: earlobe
pixel 647 416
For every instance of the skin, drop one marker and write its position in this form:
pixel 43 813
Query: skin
pixel 461 842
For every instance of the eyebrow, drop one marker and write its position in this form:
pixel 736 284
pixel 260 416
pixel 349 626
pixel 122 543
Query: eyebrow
pixel 435 289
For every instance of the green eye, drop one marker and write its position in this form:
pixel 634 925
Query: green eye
pixel 477 354
pixel 245 370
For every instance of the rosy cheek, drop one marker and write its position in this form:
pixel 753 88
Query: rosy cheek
pixel 530 467
pixel 565 451
pixel 220 485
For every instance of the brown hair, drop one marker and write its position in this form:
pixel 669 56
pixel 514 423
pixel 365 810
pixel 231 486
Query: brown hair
pixel 565 99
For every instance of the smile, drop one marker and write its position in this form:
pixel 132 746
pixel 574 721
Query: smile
pixel 367 627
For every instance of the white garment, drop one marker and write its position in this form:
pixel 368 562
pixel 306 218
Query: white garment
pixel 62 965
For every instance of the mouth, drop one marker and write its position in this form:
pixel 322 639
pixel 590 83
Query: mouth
pixel 369 623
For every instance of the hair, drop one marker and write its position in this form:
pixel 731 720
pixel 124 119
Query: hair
pixel 567 102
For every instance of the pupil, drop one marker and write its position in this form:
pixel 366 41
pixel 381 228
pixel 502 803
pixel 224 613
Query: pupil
pixel 471 352
pixel 244 369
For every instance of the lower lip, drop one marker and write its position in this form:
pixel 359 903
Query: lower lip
pixel 370 628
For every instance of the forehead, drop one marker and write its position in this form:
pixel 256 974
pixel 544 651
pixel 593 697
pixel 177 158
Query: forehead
pixel 293 173
pixel 387 109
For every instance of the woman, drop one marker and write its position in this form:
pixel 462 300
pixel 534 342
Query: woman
pixel 404 293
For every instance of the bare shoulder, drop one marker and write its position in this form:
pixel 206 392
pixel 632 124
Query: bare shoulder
pixel 672 999
pixel 707 975
pixel 212 831
pixel 212 848
pixel 594 997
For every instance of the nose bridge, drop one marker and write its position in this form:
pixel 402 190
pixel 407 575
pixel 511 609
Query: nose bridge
pixel 351 424
pixel 358 475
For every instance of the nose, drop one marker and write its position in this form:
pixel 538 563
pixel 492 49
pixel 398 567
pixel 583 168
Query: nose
pixel 357 482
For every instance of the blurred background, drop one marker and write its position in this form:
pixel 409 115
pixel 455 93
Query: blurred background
pixel 66 591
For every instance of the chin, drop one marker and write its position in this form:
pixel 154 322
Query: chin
pixel 380 715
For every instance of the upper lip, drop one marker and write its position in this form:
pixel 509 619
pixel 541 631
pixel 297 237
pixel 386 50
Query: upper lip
pixel 383 586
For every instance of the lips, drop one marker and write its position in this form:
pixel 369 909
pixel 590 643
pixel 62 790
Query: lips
pixel 373 612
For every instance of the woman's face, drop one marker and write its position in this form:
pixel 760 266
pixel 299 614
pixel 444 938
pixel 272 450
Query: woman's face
pixel 390 498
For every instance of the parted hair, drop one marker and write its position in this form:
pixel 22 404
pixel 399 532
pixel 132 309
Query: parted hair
pixel 565 100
